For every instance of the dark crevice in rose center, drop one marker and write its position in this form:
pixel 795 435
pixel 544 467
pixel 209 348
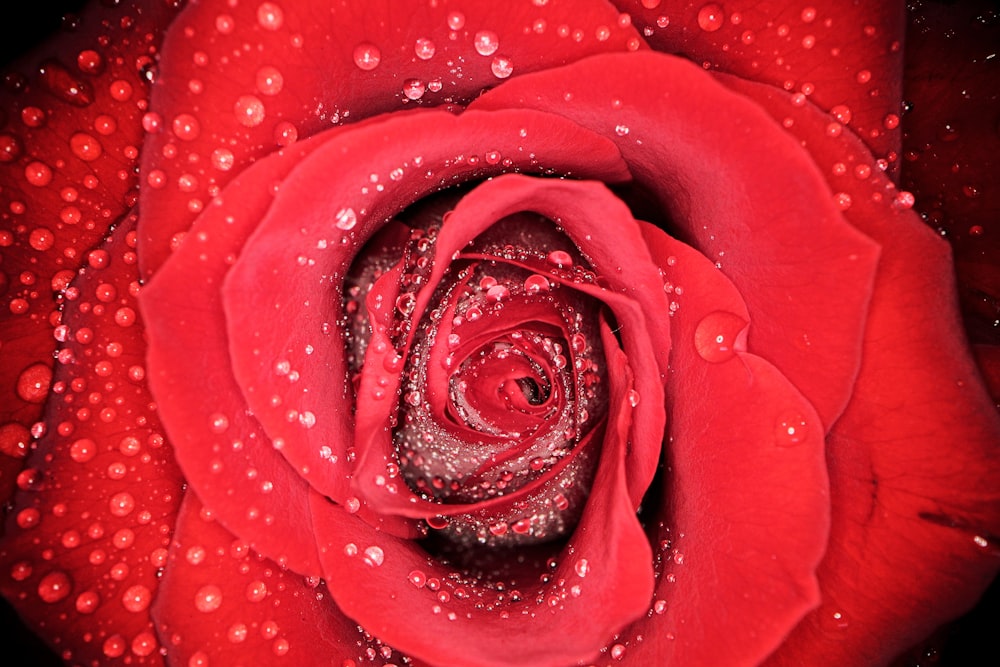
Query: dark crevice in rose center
pixel 502 397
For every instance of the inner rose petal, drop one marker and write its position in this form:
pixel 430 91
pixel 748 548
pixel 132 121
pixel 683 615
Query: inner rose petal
pixel 503 380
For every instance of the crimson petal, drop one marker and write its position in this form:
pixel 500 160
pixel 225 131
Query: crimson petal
pixel 90 526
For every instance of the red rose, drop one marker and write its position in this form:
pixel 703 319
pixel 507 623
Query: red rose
pixel 485 335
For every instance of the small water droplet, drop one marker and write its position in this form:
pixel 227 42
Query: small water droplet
pixel 424 48
pixel 346 219
pixel 374 556
pixel 270 81
pixel 456 20
pixel 367 56
pixel 54 586
pixel 249 110
pixel 502 67
pixel 208 598
pixel 270 16
pixel 486 42
pixel 791 429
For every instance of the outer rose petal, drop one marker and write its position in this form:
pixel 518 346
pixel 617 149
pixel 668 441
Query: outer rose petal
pixel 767 227
pixel 65 176
pixel 222 604
pixel 89 529
pixel 745 510
pixel 913 460
pixel 302 77
pixel 846 57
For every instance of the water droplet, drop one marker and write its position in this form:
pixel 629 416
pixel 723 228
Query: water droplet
pixel 54 586
pixel 842 113
pixel 346 219
pixel 710 17
pixel 413 89
pixel 582 567
pixel 716 334
pixel 136 598
pixel 417 578
pixel 374 556
pixel 791 429
pixel 270 81
pixel 367 56
pixel 256 590
pixel 85 147
pixel 502 67
pixel 456 20
pixel 424 48
pixel 186 127
pixel 621 130
pixel 618 651
pixel 270 16
pixel 122 504
pixel 208 598
pixel 38 174
pixel 486 42
pixel 33 383
pixel 249 110
pixel 560 259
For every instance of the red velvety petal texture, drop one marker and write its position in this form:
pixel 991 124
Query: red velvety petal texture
pixel 69 125
pixel 88 533
pixel 846 58
pixel 913 460
pixel 766 216
pixel 220 603
pixel 220 107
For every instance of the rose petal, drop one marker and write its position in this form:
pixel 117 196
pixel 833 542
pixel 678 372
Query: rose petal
pixel 66 127
pixel 97 504
pixel 200 78
pixel 225 455
pixel 913 460
pixel 744 517
pixel 222 604
pixel 767 218
pixel 845 57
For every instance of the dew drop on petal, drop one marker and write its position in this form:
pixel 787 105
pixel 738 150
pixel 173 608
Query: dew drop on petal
pixel 790 429
pixel 208 598
pixel 374 556
pixel 346 219
pixel 715 335
pixel 456 20
pixel 486 42
pixel 136 598
pixel 270 16
pixel 186 127
pixel 85 147
pixel 710 17
pixel 38 174
pixel 270 81
pixel 367 56
pixel 502 67
pixel 424 48
pixel 54 586
pixel 249 110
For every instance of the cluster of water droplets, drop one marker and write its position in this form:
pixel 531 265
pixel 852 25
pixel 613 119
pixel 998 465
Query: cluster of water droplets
pixel 502 380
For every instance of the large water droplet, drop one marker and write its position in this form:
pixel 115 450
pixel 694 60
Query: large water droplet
pixel 710 17
pixel 346 219
pixel 208 598
pixel 367 56
pixel 270 80
pixel 249 110
pixel 486 42
pixel 424 48
pixel 270 16
pixel 54 586
pixel 716 334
